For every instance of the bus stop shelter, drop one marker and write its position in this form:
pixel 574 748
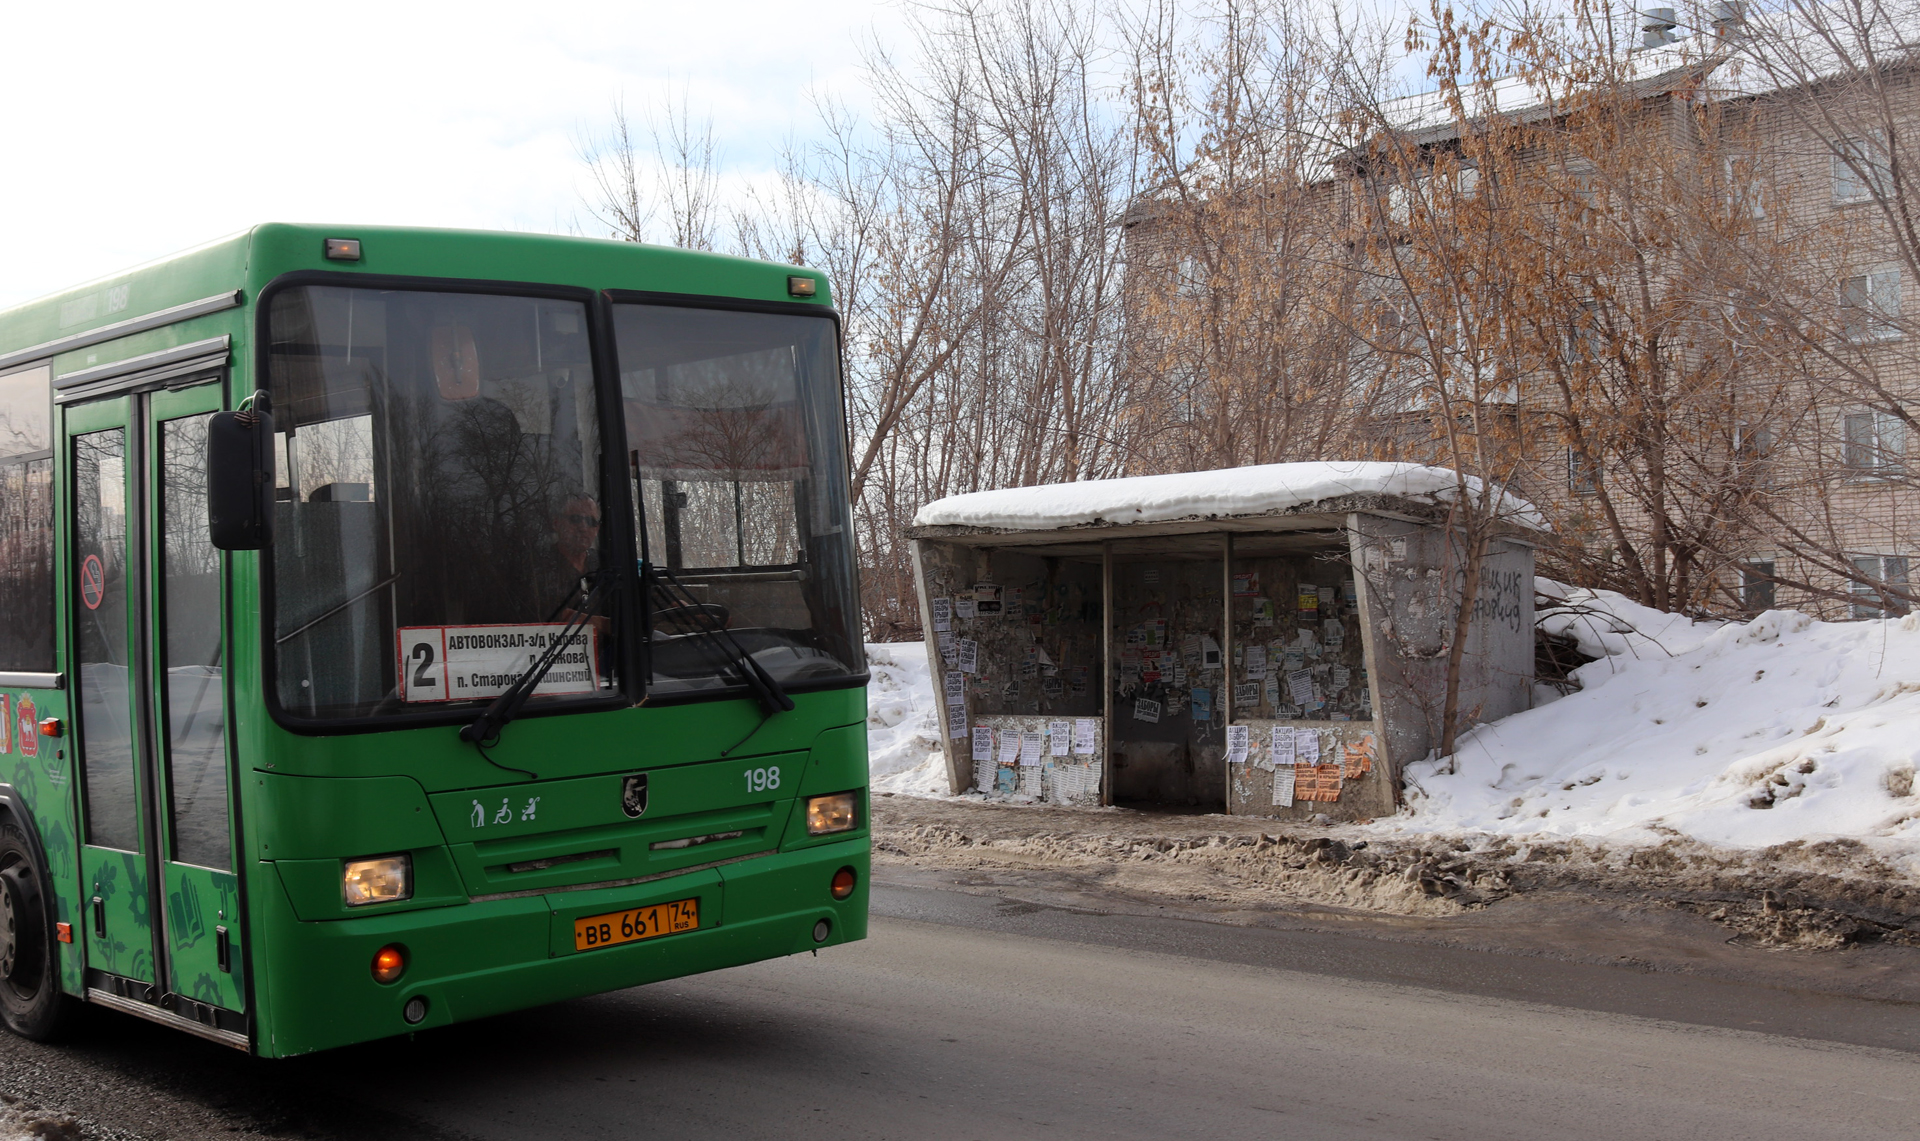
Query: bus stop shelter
pixel 1267 641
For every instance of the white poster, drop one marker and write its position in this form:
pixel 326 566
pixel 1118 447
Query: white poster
pixel 1009 747
pixel 1283 787
pixel 1256 663
pixel 982 743
pixel 1084 729
pixel 1282 747
pixel 1306 746
pixel 1148 711
pixel 942 615
pixel 1237 741
pixel 1058 737
pixel 969 656
pixel 1030 748
pixel 1299 686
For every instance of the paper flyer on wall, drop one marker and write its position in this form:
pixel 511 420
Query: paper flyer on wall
pixel 1058 738
pixel 1317 782
pixel 1009 747
pixel 964 608
pixel 1299 684
pixel 969 656
pixel 1306 746
pixel 982 743
pixel 1030 748
pixel 1237 742
pixel 1084 729
pixel 1282 747
pixel 1283 786
pixel 1148 711
pixel 942 614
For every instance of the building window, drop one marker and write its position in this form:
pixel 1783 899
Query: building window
pixel 1583 474
pixel 1860 168
pixel 1873 445
pixel 1880 582
pixel 1870 305
pixel 1756 586
pixel 1743 191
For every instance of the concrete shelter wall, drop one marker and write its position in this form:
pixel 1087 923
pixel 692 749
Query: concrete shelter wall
pixel 1036 654
pixel 1411 579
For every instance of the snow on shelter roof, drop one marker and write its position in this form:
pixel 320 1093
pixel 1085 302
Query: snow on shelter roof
pixel 1266 489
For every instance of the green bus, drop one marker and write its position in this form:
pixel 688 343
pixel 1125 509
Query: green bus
pixel 404 626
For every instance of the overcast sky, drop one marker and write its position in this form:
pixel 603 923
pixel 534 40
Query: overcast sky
pixel 128 131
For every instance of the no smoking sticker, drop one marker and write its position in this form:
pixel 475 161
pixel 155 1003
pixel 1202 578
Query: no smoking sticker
pixel 93 582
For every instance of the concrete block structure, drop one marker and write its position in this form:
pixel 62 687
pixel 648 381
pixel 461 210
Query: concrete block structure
pixel 1267 640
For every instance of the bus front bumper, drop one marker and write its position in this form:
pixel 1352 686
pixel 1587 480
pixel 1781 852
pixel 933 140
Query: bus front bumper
pixel 496 955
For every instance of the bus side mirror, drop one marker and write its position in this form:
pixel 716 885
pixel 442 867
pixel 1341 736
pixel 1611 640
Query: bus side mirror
pixel 240 477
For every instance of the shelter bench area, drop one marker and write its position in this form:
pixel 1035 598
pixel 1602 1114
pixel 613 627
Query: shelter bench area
pixel 1277 658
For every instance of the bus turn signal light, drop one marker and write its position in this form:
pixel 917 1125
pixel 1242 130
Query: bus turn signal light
pixel 843 883
pixel 389 963
pixel 829 814
pixel 51 727
pixel 801 286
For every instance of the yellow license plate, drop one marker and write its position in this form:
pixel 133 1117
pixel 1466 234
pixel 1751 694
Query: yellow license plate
pixel 617 927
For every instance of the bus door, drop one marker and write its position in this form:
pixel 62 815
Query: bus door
pixel 161 903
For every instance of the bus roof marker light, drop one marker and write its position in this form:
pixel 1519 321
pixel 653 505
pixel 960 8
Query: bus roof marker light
pixel 343 249
pixel 801 286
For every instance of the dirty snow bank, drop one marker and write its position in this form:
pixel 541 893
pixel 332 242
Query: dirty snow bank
pixel 1203 494
pixel 1745 735
pixel 903 726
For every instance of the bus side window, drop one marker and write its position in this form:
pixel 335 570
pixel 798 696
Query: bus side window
pixel 26 521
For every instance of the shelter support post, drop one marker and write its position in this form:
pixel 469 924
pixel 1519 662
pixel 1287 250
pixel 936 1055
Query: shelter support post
pixel 1106 672
pixel 959 766
pixel 1226 660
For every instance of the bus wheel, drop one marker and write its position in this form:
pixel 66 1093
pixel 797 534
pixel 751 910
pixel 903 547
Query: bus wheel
pixel 30 998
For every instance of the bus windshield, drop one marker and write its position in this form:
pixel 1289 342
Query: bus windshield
pixel 438 498
pixel 738 460
pixel 439 502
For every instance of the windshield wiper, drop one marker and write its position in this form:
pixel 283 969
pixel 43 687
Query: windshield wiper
pixel 485 729
pixel 766 688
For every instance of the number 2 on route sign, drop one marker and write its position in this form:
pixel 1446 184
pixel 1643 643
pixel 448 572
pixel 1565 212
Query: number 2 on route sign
pixel 93 582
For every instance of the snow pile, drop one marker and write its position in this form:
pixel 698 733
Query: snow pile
pixel 1203 494
pixel 1740 734
pixel 903 724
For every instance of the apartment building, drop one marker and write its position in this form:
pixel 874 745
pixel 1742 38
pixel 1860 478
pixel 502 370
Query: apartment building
pixel 1666 305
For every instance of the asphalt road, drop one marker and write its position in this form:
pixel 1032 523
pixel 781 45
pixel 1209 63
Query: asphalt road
pixel 967 1016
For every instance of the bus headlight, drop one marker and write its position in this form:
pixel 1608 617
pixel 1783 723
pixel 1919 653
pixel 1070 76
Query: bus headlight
pixel 382 879
pixel 830 814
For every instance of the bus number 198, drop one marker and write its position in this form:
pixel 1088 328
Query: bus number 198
pixel 761 780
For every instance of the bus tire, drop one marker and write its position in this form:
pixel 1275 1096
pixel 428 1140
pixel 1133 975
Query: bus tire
pixel 31 1002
